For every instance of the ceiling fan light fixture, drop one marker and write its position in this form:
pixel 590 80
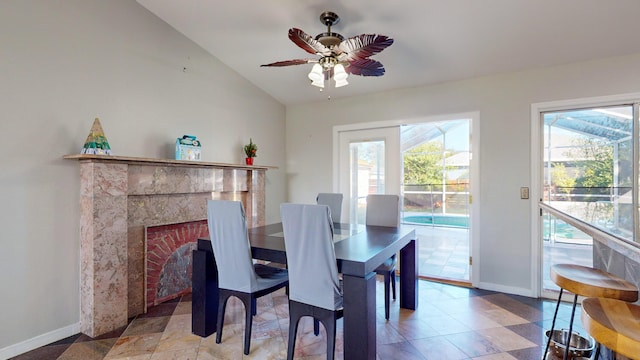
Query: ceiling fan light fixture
pixel 318 83
pixel 341 83
pixel 316 73
pixel 340 75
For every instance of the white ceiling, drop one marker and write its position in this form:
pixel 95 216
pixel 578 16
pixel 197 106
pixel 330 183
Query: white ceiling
pixel 434 40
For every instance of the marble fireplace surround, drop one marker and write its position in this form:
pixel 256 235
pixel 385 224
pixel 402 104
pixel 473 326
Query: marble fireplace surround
pixel 119 197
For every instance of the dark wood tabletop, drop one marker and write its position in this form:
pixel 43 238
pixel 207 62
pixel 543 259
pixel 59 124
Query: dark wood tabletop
pixel 359 248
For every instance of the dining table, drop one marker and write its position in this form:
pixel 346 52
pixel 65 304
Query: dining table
pixel 359 249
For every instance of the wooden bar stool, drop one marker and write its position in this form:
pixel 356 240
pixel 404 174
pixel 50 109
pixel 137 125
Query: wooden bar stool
pixel 614 324
pixel 588 282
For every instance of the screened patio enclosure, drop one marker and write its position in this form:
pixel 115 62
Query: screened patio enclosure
pixel 436 159
pixel 436 188
pixel 588 183
pixel 588 171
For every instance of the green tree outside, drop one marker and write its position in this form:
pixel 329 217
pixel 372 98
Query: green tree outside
pixel 561 179
pixel 596 163
pixel 424 164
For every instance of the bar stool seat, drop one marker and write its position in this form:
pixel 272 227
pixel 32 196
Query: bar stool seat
pixel 588 282
pixel 614 324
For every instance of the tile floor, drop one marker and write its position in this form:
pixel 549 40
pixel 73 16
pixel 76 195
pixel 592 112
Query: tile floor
pixel 451 322
pixel 444 254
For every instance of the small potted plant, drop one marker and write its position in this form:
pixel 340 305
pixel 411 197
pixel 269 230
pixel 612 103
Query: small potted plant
pixel 250 150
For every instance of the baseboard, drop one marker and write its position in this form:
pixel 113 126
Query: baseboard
pixel 506 289
pixel 38 341
pixel 453 282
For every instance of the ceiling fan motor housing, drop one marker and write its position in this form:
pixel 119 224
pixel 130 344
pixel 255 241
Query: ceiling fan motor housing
pixel 329 38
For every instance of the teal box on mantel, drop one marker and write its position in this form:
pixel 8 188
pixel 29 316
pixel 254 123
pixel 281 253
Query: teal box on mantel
pixel 188 148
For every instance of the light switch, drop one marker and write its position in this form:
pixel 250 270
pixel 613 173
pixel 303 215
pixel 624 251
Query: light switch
pixel 524 193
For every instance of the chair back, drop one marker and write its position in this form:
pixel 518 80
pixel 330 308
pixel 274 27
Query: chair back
pixel 383 210
pixel 334 201
pixel 311 257
pixel 230 242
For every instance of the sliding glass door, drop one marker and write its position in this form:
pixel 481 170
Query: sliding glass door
pixel 431 165
pixel 368 164
pixel 437 168
pixel 587 172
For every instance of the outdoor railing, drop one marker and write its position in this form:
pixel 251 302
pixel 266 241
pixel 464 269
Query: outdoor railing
pixel 605 208
pixel 440 204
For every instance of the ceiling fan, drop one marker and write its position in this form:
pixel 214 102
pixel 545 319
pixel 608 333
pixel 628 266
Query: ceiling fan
pixel 338 56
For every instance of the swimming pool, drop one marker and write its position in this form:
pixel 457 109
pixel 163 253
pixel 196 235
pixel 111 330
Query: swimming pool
pixel 461 221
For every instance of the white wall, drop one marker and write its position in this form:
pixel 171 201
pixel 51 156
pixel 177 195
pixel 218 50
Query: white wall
pixel 62 64
pixel 504 103
pixel 65 62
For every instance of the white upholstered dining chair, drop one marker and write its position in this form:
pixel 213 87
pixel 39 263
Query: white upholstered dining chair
pixel 237 274
pixel 334 201
pixel 384 210
pixel 314 287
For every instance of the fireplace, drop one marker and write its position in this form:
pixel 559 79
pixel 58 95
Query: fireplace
pixel 120 197
pixel 168 259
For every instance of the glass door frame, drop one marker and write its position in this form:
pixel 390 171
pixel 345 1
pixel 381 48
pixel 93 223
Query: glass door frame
pixel 475 222
pixel 537 149
pixel 390 135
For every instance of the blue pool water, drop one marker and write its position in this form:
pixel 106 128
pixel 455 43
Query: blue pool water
pixel 461 221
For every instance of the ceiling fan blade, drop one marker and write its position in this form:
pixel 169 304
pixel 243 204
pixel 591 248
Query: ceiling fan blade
pixel 363 46
pixel 308 43
pixel 365 67
pixel 291 62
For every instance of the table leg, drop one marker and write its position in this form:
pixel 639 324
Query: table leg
pixel 409 276
pixel 359 317
pixel 204 288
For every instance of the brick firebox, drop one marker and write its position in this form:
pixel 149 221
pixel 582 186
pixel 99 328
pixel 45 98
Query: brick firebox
pixel 169 264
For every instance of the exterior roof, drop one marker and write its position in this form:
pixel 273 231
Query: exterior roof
pixel 608 124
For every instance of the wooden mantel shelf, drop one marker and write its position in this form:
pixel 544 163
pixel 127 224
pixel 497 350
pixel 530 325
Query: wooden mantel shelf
pixel 164 162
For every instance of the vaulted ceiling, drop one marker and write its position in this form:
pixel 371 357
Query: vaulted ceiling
pixel 435 41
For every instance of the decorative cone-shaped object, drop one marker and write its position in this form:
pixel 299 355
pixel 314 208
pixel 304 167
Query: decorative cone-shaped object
pixel 96 142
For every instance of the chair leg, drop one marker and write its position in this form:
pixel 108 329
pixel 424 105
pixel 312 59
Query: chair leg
pixel 247 333
pixel 222 304
pixel 254 306
pixel 387 280
pixel 331 338
pixel 294 318
pixel 328 319
pixel 393 284
pixel 249 303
